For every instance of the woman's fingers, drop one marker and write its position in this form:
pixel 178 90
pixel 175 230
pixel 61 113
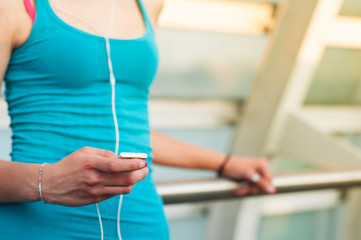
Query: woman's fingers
pixel 111 191
pixel 116 165
pixel 263 168
pixel 247 190
pixel 265 185
pixel 265 181
pixel 97 151
pixel 125 178
pixel 104 193
pixel 261 185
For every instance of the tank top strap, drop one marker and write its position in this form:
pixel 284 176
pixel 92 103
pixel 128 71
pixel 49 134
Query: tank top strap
pixel 34 10
pixel 30 9
pixel 40 10
pixel 46 18
pixel 39 21
pixel 147 22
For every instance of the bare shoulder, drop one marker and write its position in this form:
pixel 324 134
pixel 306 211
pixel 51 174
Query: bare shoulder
pixel 14 21
pixel 154 8
pixel 9 10
pixel 15 27
pixel 6 8
pixel 7 23
pixel 7 20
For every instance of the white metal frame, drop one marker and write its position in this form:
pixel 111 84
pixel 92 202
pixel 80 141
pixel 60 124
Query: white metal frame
pixel 223 16
pixel 192 114
pixel 285 125
pixel 4 118
pixel 252 210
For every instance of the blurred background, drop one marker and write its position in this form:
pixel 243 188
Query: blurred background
pixel 260 78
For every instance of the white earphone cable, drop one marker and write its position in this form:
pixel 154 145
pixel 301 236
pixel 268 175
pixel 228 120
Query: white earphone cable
pixel 112 79
pixel 100 223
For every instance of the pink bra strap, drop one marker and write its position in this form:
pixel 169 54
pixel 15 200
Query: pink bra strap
pixel 31 9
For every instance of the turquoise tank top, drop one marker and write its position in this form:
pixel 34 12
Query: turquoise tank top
pixel 59 98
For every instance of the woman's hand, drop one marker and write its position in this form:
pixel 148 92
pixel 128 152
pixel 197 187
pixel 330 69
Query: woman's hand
pixel 90 175
pixel 240 168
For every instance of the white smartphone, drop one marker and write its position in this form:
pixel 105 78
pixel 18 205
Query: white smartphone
pixel 133 155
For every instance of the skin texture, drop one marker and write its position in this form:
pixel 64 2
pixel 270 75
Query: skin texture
pixel 92 175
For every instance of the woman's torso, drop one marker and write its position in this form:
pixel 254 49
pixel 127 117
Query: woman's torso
pixel 59 97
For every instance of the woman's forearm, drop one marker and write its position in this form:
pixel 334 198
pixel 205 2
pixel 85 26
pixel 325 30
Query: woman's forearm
pixel 88 175
pixel 18 182
pixel 168 151
pixel 171 152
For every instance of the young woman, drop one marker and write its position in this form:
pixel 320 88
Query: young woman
pixel 77 75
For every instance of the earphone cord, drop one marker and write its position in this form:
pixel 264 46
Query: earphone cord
pixel 112 82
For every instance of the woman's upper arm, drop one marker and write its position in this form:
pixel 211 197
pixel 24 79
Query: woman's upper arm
pixel 5 50
pixel 6 37
pixel 158 10
pixel 154 8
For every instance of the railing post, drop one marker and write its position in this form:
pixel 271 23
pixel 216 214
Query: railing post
pixel 295 49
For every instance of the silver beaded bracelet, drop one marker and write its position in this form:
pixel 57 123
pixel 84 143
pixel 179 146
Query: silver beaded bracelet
pixel 39 186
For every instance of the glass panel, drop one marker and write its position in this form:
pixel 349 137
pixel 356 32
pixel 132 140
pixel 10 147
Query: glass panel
pixel 5 144
pixel 217 139
pixel 354 138
pixel 337 79
pixel 206 65
pixel 320 225
pixel 217 16
pixel 188 228
pixel 351 8
pixel 2 90
pixel 283 163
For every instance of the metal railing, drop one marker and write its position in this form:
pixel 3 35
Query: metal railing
pixel 217 189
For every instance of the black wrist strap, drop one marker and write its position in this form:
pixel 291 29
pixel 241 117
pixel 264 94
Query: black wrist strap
pixel 221 168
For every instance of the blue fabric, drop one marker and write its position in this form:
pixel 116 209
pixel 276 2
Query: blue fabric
pixel 59 97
